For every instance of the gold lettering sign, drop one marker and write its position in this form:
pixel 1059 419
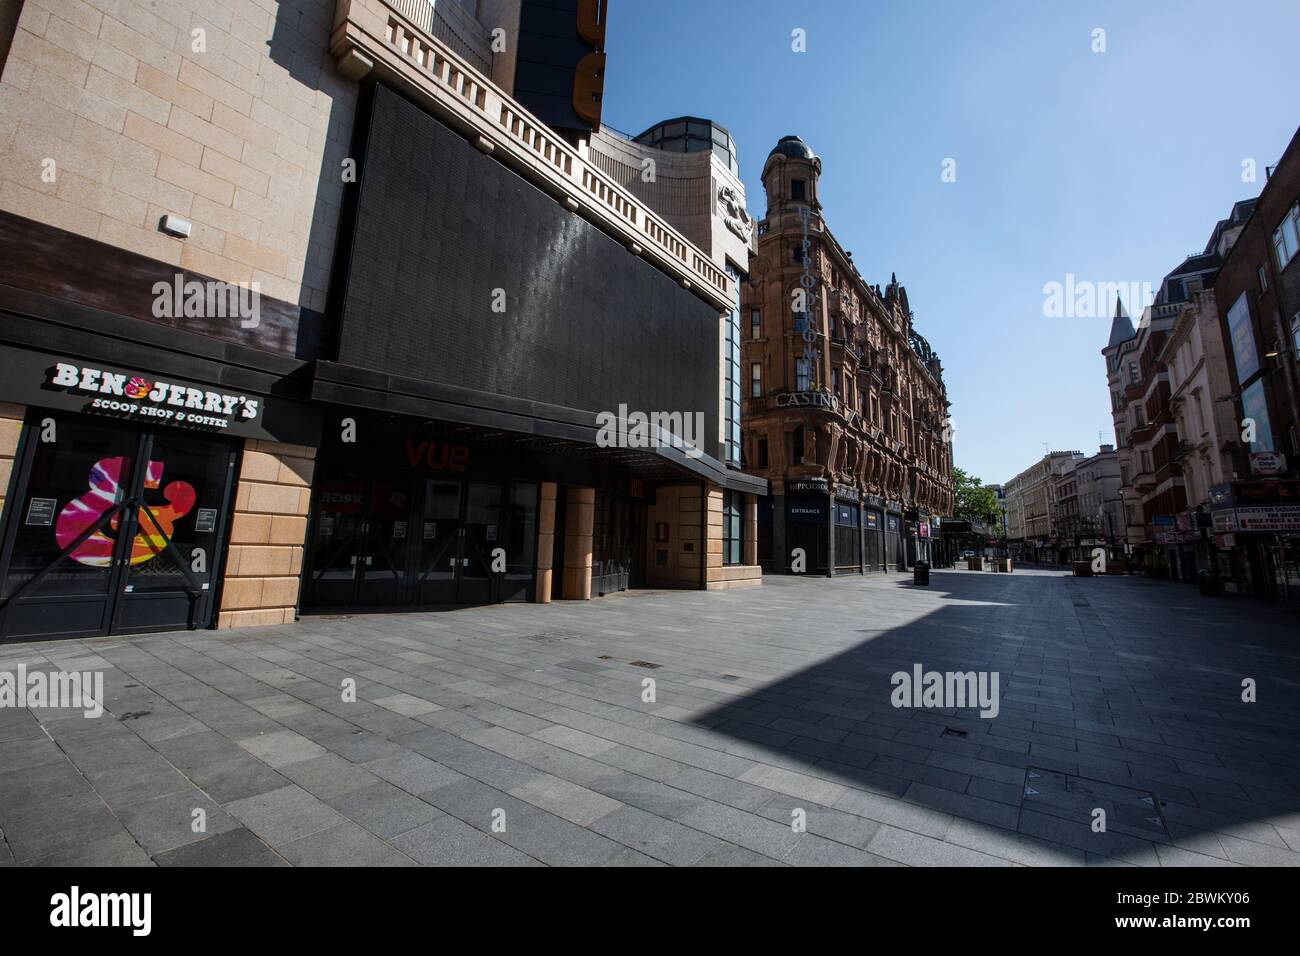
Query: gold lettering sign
pixel 588 85
pixel 591 22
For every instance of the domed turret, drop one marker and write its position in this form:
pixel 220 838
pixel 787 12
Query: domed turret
pixel 790 176
pixel 793 147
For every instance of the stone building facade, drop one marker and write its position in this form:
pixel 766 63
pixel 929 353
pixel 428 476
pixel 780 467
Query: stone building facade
pixel 845 410
pixel 257 317
pixel 1033 530
pixel 1144 371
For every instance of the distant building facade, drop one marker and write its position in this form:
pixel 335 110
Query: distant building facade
pixel 1089 511
pixel 1146 432
pixel 1033 515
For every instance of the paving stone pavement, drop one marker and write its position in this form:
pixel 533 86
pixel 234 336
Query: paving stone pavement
pixel 1118 694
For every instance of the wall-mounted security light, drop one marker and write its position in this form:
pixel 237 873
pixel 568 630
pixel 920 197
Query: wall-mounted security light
pixel 175 226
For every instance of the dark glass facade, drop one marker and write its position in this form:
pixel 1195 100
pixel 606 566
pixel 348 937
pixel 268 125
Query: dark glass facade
pixel 731 397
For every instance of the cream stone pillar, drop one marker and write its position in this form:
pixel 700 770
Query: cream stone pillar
pixel 713 534
pixel 11 429
pixel 580 513
pixel 545 544
pixel 691 538
pixel 750 548
pixel 264 561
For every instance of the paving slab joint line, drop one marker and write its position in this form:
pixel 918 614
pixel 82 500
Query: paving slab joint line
pixel 93 789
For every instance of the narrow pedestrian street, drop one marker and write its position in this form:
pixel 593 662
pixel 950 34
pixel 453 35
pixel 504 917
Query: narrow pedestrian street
pixel 526 734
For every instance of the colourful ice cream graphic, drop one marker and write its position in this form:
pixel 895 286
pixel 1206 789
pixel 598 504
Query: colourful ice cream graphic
pixel 137 388
pixel 106 491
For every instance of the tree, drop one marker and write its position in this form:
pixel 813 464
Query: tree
pixel 974 501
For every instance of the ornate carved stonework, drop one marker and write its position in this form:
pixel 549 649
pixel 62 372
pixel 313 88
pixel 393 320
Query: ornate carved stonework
pixel 734 214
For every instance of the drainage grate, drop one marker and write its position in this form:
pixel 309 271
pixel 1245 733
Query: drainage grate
pixel 1071 797
pixel 604 657
pixel 645 664
pixel 729 676
pixel 953 732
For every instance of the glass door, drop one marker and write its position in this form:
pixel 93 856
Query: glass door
pixel 336 543
pixel 385 541
pixel 182 501
pixel 481 536
pixel 521 543
pixel 439 552
pixel 62 546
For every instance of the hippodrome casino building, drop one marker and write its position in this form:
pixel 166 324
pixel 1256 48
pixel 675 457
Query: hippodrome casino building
pixel 408 417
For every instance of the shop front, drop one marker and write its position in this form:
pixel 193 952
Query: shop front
pixel 618 542
pixel 873 539
pixel 408 513
pixel 412 512
pixel 923 541
pixel 805 528
pixel 848 531
pixel 1257 534
pixel 121 493
pixel 381 539
pixel 895 557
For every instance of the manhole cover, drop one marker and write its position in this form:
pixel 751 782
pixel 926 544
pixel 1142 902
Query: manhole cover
pixel 1071 797
pixel 644 664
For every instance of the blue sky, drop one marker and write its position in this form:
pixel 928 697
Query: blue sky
pixel 1112 166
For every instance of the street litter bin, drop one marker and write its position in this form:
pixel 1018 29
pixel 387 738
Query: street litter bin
pixel 921 573
pixel 1208 582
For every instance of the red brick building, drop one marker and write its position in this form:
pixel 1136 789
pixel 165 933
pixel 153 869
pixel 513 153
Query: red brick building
pixel 845 410
pixel 1257 519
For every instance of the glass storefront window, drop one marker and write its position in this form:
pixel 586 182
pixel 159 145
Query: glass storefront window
pixel 183 491
pixel 74 480
pixel 113 528
pixel 732 550
pixel 731 394
pixel 522 543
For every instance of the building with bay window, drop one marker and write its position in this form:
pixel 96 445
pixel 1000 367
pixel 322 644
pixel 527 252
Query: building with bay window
pixel 845 410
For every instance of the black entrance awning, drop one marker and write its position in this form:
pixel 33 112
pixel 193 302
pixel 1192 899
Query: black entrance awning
pixel 486 416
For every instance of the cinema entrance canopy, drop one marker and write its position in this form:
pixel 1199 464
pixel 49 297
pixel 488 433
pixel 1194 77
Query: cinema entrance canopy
pixel 432 495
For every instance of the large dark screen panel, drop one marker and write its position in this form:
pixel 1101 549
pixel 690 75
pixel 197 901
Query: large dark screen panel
pixel 587 324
